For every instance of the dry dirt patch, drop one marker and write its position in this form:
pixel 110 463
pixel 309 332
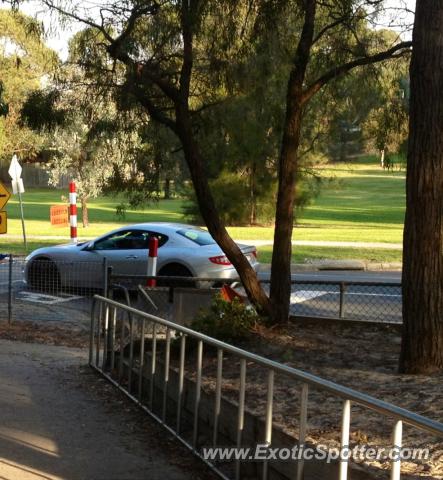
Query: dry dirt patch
pixel 361 357
pixel 29 332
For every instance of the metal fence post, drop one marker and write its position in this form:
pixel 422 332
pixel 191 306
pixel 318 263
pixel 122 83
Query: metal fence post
pixel 10 289
pixel 397 445
pixel 344 443
pixel 105 278
pixel 92 331
pixel 302 430
pixel 108 280
pixel 342 299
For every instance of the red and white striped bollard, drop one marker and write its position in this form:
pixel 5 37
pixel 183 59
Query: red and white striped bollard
pixel 152 261
pixel 73 211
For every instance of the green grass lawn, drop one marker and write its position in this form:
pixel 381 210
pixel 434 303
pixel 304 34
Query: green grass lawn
pixel 302 254
pixel 363 203
pixel 102 214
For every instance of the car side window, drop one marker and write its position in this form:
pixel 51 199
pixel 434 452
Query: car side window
pixel 162 238
pixel 124 240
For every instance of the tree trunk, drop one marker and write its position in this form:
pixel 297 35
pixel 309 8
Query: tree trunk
pixel 422 341
pixel 284 219
pixel 157 168
pixel 287 172
pixel 253 196
pixel 211 217
pixel 167 194
pixel 85 215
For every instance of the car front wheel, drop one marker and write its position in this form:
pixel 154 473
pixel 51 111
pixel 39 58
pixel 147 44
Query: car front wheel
pixel 43 275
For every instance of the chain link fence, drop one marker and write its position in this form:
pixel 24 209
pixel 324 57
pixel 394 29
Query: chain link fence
pixel 357 301
pixel 180 298
pixel 60 292
pixel 50 292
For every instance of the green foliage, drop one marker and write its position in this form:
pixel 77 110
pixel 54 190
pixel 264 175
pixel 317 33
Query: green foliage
pixel 120 211
pixel 234 200
pixel 226 321
pixel 40 112
pixel 153 161
pixel 25 64
pixel 240 68
pixel 386 125
pixel 68 119
pixel 88 139
pixel 238 206
pixel 4 108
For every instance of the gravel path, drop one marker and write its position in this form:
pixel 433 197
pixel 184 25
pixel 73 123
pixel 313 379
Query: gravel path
pixel 61 421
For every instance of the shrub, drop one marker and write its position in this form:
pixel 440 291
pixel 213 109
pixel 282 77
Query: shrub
pixel 235 205
pixel 233 199
pixel 226 321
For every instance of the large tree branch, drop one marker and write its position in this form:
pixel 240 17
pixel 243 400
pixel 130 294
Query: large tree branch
pixel 141 70
pixel 136 13
pixel 163 84
pixel 186 70
pixel 154 111
pixel 394 52
pixel 51 5
pixel 302 53
pixel 114 49
pixel 328 27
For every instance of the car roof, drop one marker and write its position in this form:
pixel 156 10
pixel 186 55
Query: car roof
pixel 165 226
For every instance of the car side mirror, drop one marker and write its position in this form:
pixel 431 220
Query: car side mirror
pixel 89 247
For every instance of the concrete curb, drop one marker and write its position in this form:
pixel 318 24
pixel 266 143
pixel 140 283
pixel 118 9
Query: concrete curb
pixel 336 265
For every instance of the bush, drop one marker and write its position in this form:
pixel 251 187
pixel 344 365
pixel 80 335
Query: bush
pixel 234 203
pixel 231 197
pixel 226 321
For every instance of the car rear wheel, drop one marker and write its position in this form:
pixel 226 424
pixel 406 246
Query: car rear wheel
pixel 44 275
pixel 175 270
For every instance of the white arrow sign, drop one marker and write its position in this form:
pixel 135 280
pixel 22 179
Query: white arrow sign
pixel 15 170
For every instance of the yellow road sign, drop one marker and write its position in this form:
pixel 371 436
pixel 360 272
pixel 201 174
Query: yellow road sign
pixel 4 196
pixel 3 222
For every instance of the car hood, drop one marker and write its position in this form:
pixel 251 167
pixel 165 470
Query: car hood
pixel 54 249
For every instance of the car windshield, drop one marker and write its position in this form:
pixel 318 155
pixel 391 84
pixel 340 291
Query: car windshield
pixel 200 237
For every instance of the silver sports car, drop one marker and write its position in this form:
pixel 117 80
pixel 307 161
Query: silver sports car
pixel 184 251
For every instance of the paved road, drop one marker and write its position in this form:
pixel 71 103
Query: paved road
pixel 4 273
pixel 58 422
pixel 375 303
pixel 344 276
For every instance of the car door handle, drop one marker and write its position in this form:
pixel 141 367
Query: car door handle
pixel 132 257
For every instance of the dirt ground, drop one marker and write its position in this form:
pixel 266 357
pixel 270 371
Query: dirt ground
pixel 60 421
pixel 29 332
pixel 362 357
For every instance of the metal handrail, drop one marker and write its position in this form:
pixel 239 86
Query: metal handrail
pixel 124 276
pixel 341 287
pixel 372 403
